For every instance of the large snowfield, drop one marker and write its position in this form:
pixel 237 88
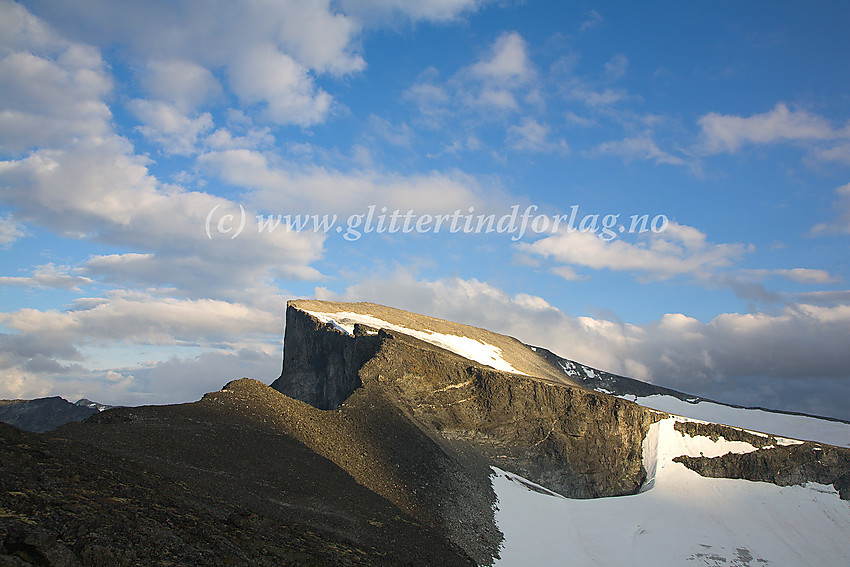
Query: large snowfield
pixel 679 517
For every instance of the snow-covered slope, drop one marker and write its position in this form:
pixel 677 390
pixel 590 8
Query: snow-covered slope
pixel 679 517
pixel 802 427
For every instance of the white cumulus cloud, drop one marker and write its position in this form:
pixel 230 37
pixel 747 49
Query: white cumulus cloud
pixel 729 133
pixel 676 250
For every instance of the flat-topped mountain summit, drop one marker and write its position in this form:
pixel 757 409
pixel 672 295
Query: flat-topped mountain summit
pixel 395 438
pixel 548 422
pixel 487 348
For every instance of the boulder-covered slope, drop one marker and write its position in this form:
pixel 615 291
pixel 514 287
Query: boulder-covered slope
pixel 218 482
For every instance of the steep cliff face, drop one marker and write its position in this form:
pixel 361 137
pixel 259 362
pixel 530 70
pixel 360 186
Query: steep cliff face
pixel 573 441
pixel 321 363
pixel 486 347
pixel 569 439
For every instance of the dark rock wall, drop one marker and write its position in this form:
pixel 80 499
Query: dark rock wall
pixel 782 465
pixel 573 441
pixel 320 362
pixel 715 431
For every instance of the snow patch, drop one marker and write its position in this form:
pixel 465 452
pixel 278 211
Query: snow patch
pixel 568 368
pixel 466 347
pixel 702 446
pixel 589 372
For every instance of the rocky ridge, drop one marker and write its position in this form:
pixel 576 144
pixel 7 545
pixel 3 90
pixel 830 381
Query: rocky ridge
pixel 374 447
pixel 578 442
pixel 216 482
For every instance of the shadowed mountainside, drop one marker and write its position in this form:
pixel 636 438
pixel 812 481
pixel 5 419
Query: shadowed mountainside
pixel 44 414
pixel 209 483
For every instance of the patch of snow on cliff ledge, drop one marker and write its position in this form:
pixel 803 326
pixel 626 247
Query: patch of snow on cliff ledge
pixel 466 347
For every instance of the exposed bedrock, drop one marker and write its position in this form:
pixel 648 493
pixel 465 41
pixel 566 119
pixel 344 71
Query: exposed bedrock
pixel 571 440
pixel 782 465
pixel 321 363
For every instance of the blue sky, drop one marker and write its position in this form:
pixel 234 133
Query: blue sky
pixel 130 131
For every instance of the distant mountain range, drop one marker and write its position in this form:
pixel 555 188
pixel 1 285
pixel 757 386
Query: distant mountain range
pixel 45 414
pixel 393 438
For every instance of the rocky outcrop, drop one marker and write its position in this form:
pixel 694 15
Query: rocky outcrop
pixel 782 465
pixel 776 460
pixel 716 431
pixel 25 544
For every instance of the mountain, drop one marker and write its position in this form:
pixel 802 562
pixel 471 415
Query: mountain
pixel 556 438
pixel 44 414
pixel 92 405
pixel 792 424
pixel 393 438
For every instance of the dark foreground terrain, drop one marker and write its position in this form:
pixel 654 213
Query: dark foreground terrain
pixel 186 485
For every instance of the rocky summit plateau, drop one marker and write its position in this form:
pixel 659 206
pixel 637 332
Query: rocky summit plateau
pixel 392 438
